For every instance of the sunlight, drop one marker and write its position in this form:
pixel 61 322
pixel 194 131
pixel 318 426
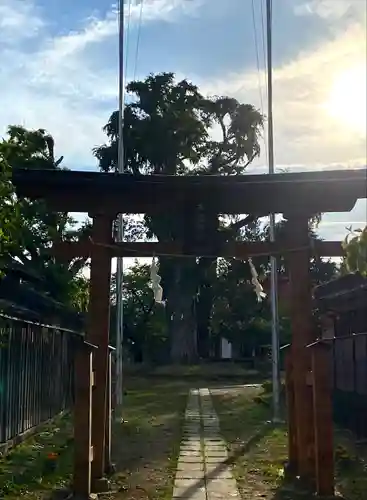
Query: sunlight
pixel 347 98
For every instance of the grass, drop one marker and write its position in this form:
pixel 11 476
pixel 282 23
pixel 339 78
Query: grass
pixel 145 449
pixel 201 373
pixel 147 445
pixel 40 464
pixel 259 450
pixel 351 466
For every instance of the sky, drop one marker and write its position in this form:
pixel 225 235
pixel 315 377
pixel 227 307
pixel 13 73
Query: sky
pixel 59 71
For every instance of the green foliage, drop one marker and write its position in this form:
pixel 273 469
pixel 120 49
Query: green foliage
pixel 28 228
pixel 355 246
pixel 8 212
pixel 164 124
pixel 236 312
pixel 145 327
pixel 79 293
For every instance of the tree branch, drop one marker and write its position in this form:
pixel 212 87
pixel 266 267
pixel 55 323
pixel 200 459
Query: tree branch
pixel 242 223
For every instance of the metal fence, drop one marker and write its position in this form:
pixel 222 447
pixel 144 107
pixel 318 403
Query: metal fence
pixel 36 374
pixel 349 380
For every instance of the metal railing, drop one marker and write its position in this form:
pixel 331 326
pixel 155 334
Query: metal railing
pixel 36 374
pixel 349 380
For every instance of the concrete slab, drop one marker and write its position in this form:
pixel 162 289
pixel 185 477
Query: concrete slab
pixel 190 453
pixel 187 466
pixel 222 485
pixel 222 454
pixel 190 474
pixel 213 473
pixel 186 488
pixel 190 460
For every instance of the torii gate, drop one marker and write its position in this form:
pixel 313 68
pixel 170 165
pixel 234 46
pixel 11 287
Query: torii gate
pixel 296 196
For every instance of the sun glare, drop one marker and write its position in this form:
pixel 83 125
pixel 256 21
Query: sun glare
pixel 347 99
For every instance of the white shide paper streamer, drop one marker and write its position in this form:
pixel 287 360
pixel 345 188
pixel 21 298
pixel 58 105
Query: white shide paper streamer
pixel 257 285
pixel 156 279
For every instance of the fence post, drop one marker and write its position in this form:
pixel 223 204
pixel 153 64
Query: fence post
pixel 292 431
pixel 83 453
pixel 4 364
pixel 108 460
pixel 323 419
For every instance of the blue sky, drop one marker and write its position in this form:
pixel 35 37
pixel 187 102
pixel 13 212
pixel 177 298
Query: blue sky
pixel 59 71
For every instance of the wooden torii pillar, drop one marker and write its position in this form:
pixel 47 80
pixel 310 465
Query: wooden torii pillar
pixel 93 372
pixel 308 386
pixel 303 333
pixel 98 334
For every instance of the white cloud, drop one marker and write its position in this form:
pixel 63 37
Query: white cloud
pixel 330 9
pixel 306 132
pixel 60 82
pixel 164 10
pixel 19 20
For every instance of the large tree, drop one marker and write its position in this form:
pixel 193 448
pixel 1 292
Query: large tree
pixel 168 130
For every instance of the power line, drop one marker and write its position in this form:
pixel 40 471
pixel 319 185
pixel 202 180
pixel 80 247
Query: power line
pixel 138 39
pixel 127 37
pixel 263 45
pixel 258 68
pixel 257 53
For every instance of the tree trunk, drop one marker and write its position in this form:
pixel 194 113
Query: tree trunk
pixel 203 312
pixel 204 305
pixel 183 332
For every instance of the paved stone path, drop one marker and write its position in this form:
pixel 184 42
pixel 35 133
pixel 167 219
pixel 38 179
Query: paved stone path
pixel 202 473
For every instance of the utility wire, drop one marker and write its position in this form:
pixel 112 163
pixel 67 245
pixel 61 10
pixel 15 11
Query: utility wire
pixel 127 40
pixel 138 39
pixel 263 46
pixel 257 54
pixel 258 69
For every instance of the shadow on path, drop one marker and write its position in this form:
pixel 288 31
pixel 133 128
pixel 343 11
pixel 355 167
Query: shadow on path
pixel 230 461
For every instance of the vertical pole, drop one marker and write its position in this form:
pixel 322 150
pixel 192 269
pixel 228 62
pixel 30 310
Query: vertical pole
pixel 98 334
pixel 83 422
pixel 274 275
pixel 303 333
pixel 108 461
pixel 120 228
pixel 323 419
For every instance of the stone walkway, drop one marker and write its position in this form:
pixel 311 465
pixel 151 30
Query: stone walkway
pixel 202 473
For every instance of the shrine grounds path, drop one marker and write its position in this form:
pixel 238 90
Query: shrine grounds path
pixel 147 446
